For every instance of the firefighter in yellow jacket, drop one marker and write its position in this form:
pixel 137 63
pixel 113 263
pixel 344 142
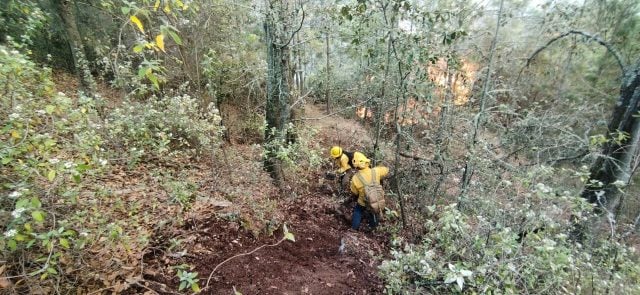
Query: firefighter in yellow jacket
pixel 357 188
pixel 343 160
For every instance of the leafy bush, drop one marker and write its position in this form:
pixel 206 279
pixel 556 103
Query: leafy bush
pixel 474 254
pixel 48 144
pixel 163 126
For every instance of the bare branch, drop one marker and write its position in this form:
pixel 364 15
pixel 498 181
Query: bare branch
pixel 610 48
pixel 296 31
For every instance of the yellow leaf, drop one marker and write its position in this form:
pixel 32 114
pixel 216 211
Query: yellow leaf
pixel 160 42
pixel 51 175
pixel 155 6
pixel 167 9
pixel 137 22
pixel 15 134
pixel 290 237
pixel 64 243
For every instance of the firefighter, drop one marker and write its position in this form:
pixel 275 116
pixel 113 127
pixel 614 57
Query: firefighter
pixel 343 160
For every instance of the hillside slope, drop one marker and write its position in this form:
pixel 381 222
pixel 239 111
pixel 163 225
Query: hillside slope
pixel 313 264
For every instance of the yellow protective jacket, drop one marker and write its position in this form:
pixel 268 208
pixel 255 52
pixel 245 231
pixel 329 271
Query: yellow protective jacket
pixel 343 162
pixel 357 187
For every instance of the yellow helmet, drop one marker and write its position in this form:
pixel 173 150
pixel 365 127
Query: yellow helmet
pixel 360 161
pixel 336 151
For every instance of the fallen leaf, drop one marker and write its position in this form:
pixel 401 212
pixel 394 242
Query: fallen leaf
pixel 5 283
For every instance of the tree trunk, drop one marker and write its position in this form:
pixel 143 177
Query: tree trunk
pixel 328 76
pixel 300 65
pixel 380 106
pixel 65 10
pixel 615 162
pixel 277 103
pixel 403 93
pixel 479 120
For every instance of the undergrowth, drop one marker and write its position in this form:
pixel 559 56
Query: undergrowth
pixel 65 223
pixel 524 244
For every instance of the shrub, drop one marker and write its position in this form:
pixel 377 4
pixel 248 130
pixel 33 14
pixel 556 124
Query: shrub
pixel 163 126
pixel 478 255
pixel 48 144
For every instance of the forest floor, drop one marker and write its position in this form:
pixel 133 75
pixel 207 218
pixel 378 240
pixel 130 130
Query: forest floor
pixel 220 227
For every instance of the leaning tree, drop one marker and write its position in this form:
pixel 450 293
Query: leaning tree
pixel 615 165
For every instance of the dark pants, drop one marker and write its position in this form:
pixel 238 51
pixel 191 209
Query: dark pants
pixel 358 213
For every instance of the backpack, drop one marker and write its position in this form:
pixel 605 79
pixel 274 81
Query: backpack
pixel 373 194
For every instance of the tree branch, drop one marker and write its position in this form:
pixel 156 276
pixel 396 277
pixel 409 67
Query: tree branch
pixel 610 48
pixel 296 31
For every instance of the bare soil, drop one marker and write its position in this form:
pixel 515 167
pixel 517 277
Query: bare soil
pixel 314 264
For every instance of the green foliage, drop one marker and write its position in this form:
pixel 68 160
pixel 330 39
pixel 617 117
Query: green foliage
pixel 301 155
pixel 181 192
pixel 480 254
pixel 187 279
pixel 163 127
pixel 20 21
pixel 48 145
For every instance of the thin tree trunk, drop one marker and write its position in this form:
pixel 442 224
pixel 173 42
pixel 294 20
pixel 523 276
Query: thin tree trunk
pixel 328 76
pixel 65 10
pixel 442 129
pixel 300 67
pixel 403 92
pixel 479 121
pixel 380 107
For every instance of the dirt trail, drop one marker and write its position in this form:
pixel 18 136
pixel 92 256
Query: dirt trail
pixel 336 128
pixel 313 264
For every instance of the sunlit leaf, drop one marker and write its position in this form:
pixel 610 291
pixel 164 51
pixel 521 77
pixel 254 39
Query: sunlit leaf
pixel 38 215
pixel 195 288
pixel 64 243
pixel 175 37
pixel 138 48
pixel 15 134
pixel 153 79
pixel 460 281
pixel 49 142
pixel 290 237
pixel 137 22
pixel 12 245
pixel 156 5
pixel 49 109
pixel 160 42
pixel 51 175
pixel 35 202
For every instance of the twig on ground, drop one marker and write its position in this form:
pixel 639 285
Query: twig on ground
pixel 239 255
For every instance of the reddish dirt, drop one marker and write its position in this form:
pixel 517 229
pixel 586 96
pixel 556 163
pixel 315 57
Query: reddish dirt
pixel 313 264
